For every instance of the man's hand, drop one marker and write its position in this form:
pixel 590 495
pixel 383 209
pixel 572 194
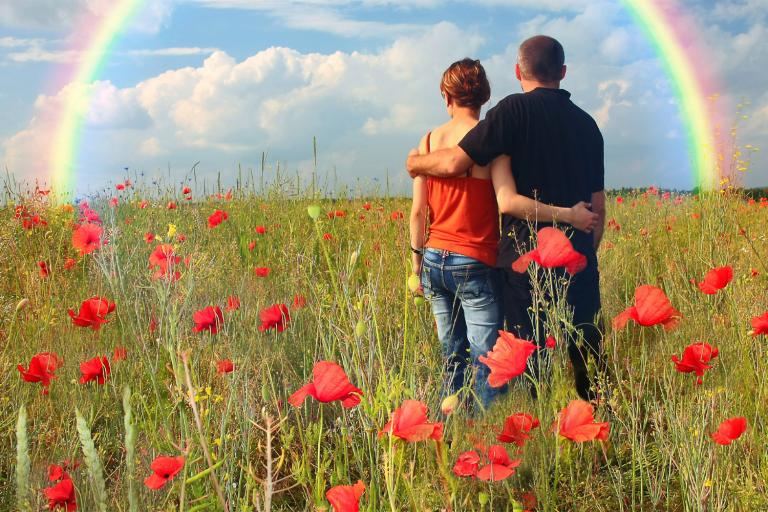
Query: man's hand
pixel 443 163
pixel 411 153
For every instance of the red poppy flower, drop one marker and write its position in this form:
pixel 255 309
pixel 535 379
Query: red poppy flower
pixel 275 316
pixel 299 301
pixel 499 465
pixel 577 423
pixel 86 238
pixel 507 359
pixel 233 303
pixel 261 230
pixel 467 464
pixel 695 359
pixel 113 202
pixel 143 204
pixel 95 369
pixel 152 324
pixel 163 469
pixel 367 206
pixel 56 473
pixel 186 190
pixel 517 428
pixel 217 218
pixel 61 495
pixel 261 271
pixel 163 257
pixel 171 205
pixel 41 369
pixel 336 214
pixel 149 237
pixel 716 279
pixel 760 325
pixel 397 215
pixel 225 366
pixel 69 263
pixel 652 307
pixel 345 498
pixel 551 342
pixel 43 266
pixel 329 383
pixel 553 249
pixel 251 245
pixel 409 422
pixel 327 236
pixel 208 319
pixel 120 186
pixel 93 313
pixel 120 354
pixel 730 430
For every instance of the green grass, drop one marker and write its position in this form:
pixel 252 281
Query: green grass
pixel 359 313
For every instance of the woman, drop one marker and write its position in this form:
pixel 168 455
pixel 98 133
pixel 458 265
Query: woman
pixel 456 260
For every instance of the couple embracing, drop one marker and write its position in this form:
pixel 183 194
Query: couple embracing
pixel 537 159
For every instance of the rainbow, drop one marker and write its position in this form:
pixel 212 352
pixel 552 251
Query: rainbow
pixel 95 49
pixel 662 25
pixel 655 17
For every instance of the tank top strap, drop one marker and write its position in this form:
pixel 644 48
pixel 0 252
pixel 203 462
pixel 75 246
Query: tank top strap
pixel 429 135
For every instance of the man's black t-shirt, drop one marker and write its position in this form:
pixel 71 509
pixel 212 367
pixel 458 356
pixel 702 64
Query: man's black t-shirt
pixel 556 151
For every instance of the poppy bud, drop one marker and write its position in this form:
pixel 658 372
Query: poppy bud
pixel 418 301
pixel 313 211
pixel 360 329
pixel 23 303
pixel 449 404
pixel 353 258
pixel 413 283
pixel 483 499
pixel 265 392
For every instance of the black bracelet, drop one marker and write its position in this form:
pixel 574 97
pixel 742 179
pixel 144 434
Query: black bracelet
pixel 420 252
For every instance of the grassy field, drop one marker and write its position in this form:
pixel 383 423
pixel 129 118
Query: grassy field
pixel 343 278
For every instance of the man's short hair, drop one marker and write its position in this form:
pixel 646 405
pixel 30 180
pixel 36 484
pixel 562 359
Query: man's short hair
pixel 541 58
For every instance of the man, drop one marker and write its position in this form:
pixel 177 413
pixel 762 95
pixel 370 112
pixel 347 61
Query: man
pixel 556 152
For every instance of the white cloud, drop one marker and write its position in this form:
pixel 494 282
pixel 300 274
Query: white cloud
pixel 171 52
pixel 366 106
pixel 64 14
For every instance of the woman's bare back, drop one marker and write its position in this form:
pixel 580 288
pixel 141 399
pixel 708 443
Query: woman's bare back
pixel 450 134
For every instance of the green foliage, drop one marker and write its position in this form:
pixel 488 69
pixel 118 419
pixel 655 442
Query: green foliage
pixel 361 314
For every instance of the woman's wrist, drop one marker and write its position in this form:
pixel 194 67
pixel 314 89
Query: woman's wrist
pixel 566 215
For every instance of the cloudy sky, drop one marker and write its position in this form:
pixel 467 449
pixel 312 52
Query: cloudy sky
pixel 221 81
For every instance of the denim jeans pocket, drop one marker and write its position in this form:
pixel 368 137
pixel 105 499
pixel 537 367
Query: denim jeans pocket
pixel 426 280
pixel 474 286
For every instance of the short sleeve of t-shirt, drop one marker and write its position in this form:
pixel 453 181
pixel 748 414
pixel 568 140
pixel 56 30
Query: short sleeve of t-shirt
pixel 598 178
pixel 490 137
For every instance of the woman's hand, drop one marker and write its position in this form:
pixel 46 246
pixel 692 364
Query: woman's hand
pixel 581 217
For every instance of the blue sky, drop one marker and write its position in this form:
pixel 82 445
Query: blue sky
pixel 220 81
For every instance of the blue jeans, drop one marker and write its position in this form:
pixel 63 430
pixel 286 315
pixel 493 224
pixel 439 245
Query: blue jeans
pixel 465 301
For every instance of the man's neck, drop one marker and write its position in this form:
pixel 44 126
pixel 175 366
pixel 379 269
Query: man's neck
pixel 529 85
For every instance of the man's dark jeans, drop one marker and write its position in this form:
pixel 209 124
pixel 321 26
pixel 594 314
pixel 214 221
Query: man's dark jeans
pixel 583 296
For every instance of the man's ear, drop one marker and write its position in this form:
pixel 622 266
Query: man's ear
pixel 518 73
pixel 562 73
pixel 448 100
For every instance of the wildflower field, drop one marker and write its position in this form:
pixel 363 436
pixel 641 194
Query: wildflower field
pixel 171 350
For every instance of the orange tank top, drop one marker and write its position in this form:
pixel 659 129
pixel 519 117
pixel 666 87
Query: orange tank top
pixel 463 216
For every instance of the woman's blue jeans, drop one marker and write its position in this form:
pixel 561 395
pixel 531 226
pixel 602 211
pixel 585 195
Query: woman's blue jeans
pixel 464 294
